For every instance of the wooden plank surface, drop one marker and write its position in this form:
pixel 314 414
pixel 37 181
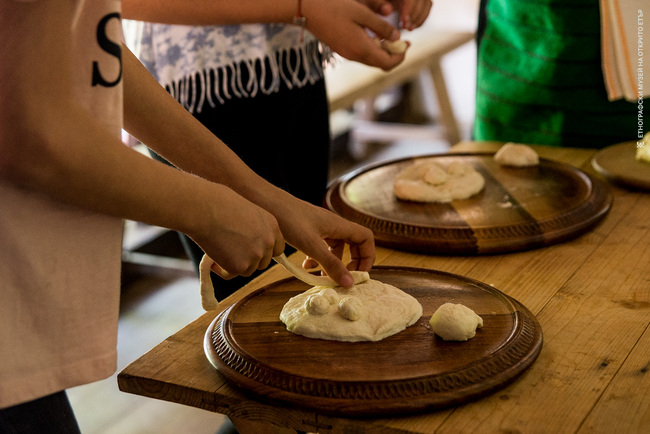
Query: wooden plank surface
pixel 591 296
pixel 583 349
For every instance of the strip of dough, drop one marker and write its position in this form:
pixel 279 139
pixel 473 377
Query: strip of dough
pixel 208 300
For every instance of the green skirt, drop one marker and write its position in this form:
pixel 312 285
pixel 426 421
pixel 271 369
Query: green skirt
pixel 540 79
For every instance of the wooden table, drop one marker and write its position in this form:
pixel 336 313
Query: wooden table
pixel 591 296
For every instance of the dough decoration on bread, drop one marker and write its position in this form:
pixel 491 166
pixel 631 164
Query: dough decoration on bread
pixel 429 181
pixel 351 308
pixel 316 304
pixel 455 322
pixel 516 155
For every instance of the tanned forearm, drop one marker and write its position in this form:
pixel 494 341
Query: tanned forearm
pixel 210 12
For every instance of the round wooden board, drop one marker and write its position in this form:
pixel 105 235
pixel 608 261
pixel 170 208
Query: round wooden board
pixel 409 372
pixel 519 208
pixel 618 164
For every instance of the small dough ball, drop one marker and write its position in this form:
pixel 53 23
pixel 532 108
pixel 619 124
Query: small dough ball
pixel 455 322
pixel 394 47
pixel 435 174
pixel 330 295
pixel 316 304
pixel 517 155
pixel 351 308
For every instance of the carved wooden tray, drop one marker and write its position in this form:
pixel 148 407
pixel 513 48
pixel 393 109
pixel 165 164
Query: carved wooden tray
pixel 618 164
pixel 405 373
pixel 519 208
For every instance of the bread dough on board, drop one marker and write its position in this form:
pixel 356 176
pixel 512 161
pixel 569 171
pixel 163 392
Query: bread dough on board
pixel 429 181
pixel 369 311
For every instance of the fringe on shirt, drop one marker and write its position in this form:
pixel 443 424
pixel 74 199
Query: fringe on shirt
pixel 266 75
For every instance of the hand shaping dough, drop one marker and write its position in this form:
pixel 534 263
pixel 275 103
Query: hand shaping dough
pixel 517 155
pixel 209 302
pixel 455 322
pixel 428 181
pixel 368 311
pixel 393 47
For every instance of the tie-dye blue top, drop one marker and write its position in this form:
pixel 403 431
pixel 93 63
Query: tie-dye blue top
pixel 204 64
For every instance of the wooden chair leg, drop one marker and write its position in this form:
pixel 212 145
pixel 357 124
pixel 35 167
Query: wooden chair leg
pixel 446 111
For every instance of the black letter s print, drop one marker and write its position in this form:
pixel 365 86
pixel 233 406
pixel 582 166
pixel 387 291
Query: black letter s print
pixel 111 48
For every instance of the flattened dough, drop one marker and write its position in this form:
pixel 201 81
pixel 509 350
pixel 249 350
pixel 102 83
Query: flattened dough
pixel 429 181
pixel 516 155
pixel 369 311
